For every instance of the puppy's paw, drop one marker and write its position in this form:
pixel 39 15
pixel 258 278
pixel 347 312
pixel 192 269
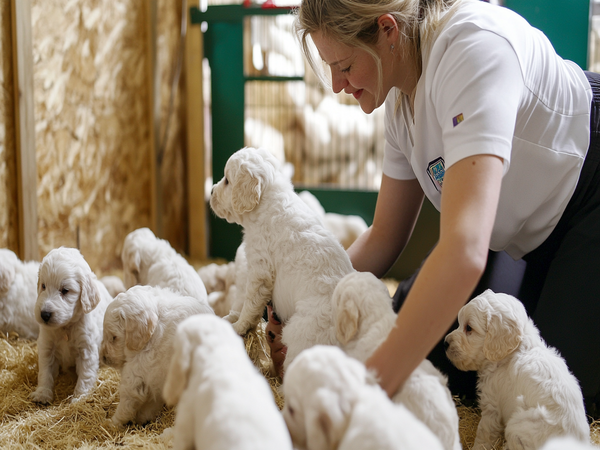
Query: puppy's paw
pixel 240 327
pixel 116 423
pixel 42 395
pixel 167 435
pixel 232 317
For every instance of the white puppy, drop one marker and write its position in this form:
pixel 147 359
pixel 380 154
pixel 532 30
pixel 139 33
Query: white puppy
pixel 69 308
pixel 363 319
pixel 332 402
pixel 18 293
pixel 223 402
pixel 148 260
pixel 113 284
pixel 293 260
pixel 139 326
pixel 525 387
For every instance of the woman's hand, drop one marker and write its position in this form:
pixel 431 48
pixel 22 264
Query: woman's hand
pixel 278 350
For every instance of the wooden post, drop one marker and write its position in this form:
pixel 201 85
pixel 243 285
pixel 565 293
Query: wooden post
pixel 25 129
pixel 154 123
pixel 194 100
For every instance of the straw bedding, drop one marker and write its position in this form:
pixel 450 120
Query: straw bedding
pixel 62 425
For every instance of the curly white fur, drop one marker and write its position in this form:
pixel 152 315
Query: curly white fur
pixel 223 402
pixel 113 284
pixel 69 308
pixel 345 227
pixel 18 293
pixel 139 326
pixel 293 260
pixel 332 402
pixel 525 387
pixel 364 317
pixel 151 261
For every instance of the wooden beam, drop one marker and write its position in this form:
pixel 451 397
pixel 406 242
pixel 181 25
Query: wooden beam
pixel 194 101
pixel 154 122
pixel 25 129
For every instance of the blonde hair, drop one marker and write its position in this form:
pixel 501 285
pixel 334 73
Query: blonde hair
pixel 354 23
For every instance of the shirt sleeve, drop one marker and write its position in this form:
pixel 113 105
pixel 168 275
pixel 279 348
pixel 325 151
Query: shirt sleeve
pixel 397 139
pixel 476 89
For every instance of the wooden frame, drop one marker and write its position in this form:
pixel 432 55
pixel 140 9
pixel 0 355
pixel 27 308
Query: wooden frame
pixel 194 101
pixel 154 122
pixel 25 129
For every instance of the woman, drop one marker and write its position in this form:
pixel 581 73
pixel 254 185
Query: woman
pixel 484 119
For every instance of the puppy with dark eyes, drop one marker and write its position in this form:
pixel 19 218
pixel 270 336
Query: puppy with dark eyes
pixel 525 387
pixel 70 310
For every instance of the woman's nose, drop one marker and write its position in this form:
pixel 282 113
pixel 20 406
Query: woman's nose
pixel 338 82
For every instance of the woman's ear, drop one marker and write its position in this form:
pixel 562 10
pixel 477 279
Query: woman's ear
pixel 388 25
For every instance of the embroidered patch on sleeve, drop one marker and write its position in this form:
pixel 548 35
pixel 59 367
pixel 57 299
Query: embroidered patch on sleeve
pixel 457 119
pixel 436 172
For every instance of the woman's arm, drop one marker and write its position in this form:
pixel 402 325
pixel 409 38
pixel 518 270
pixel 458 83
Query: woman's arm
pixel 469 201
pixel 398 206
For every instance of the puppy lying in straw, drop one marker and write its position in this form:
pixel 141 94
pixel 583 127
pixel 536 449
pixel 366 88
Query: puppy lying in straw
pixel 331 402
pixel 223 402
pixel 139 326
pixel 150 261
pixel 525 387
pixel 69 308
pixel 293 260
pixel 364 317
pixel 18 281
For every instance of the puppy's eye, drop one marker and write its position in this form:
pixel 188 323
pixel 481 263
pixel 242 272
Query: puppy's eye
pixel 226 181
pixel 43 286
pixel 291 410
pixel 114 338
pixel 64 291
pixel 468 328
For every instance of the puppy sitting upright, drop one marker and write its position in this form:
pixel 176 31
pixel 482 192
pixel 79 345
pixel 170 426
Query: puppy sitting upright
pixel 70 307
pixel 525 387
pixel 293 260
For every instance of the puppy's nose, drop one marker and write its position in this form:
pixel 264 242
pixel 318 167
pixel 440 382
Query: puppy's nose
pixel 446 344
pixel 46 316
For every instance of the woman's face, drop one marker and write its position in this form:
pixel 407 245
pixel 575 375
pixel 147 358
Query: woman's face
pixel 354 71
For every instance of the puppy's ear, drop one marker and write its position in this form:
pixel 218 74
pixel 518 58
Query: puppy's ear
pixel 90 295
pixel 326 420
pixel 504 335
pixel 7 274
pixel 139 328
pixel 347 314
pixel 246 191
pixel 132 261
pixel 179 370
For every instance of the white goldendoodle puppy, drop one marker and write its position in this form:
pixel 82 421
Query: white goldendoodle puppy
pixel 69 308
pixel 139 326
pixel 293 260
pixel 223 402
pixel 18 293
pixel 525 387
pixel 332 402
pixel 151 261
pixel 363 319
pixel 113 284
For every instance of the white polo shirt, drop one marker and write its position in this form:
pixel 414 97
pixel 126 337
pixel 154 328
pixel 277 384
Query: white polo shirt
pixel 492 84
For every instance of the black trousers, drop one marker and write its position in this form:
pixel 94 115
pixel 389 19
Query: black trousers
pixel 558 282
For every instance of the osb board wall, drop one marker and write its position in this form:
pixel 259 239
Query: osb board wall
pixel 8 170
pixel 92 115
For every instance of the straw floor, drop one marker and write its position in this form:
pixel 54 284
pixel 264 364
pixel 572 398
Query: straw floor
pixel 62 425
